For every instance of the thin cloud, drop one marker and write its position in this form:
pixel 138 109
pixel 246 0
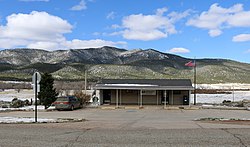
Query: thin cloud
pixel 179 50
pixel 80 6
pixel 248 51
pixel 115 26
pixel 111 15
pixel 75 44
pixel 214 32
pixel 161 11
pixel 241 38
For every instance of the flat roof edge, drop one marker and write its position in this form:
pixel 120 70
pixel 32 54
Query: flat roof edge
pixel 146 88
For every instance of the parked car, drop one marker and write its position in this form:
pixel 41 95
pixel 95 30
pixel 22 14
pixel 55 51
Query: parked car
pixel 67 103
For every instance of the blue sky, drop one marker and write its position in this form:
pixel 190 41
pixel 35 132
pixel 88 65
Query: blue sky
pixel 190 28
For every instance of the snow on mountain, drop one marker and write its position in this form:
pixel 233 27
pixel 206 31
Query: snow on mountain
pixel 21 63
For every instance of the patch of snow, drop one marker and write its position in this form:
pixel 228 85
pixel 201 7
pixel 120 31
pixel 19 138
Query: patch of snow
pixel 15 82
pixel 128 53
pixel 9 94
pixel 224 86
pixel 129 85
pixel 218 98
pixel 163 56
pixel 26 108
pixel 24 120
pixel 207 105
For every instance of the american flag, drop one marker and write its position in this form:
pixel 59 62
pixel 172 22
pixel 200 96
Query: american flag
pixel 190 64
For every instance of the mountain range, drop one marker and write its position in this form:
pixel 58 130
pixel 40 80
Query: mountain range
pixel 110 62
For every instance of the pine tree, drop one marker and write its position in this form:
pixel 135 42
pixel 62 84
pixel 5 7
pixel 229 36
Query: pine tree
pixel 47 94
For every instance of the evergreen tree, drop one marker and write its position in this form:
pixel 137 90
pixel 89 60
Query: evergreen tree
pixel 47 94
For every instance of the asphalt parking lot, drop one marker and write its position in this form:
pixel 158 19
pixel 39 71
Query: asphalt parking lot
pixel 127 127
pixel 142 118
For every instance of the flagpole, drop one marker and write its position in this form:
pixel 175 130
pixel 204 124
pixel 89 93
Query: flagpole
pixel 194 82
pixel 190 64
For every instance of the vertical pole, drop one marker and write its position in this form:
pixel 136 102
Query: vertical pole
pixel 165 98
pixel 189 93
pixel 139 96
pixel 172 93
pixel 85 82
pixel 194 82
pixel 117 94
pixel 157 96
pixel 120 97
pixel 35 97
pixel 141 99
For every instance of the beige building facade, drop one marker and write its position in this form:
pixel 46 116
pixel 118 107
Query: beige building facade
pixel 144 92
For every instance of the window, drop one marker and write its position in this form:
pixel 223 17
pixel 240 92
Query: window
pixel 130 91
pixel 148 92
pixel 177 92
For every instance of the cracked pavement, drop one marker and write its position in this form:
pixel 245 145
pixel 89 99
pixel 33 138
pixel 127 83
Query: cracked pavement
pixel 128 128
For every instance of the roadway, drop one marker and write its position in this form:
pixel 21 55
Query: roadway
pixel 146 127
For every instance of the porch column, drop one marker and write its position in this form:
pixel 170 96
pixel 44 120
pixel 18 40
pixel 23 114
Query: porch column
pixel 172 97
pixel 100 96
pixel 157 96
pixel 117 100
pixel 120 97
pixel 189 94
pixel 138 97
pixel 141 99
pixel 165 98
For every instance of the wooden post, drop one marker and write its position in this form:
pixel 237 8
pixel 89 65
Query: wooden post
pixel 117 100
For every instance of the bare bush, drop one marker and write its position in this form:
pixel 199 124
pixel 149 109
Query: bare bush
pixel 84 98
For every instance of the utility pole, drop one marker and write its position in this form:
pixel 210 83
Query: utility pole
pixel 85 82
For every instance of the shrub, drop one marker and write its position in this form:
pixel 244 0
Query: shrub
pixel 16 103
pixel 27 102
pixel 84 98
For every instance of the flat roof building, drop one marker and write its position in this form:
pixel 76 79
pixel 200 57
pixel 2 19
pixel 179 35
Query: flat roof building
pixel 144 91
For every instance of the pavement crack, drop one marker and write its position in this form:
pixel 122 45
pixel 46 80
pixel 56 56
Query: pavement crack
pixel 235 136
pixel 130 123
pixel 199 125
pixel 80 133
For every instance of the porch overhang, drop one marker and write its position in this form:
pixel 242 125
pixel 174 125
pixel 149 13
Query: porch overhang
pixel 141 87
pixel 144 91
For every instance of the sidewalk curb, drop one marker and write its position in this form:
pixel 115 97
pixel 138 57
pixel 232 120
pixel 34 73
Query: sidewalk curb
pixel 224 108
